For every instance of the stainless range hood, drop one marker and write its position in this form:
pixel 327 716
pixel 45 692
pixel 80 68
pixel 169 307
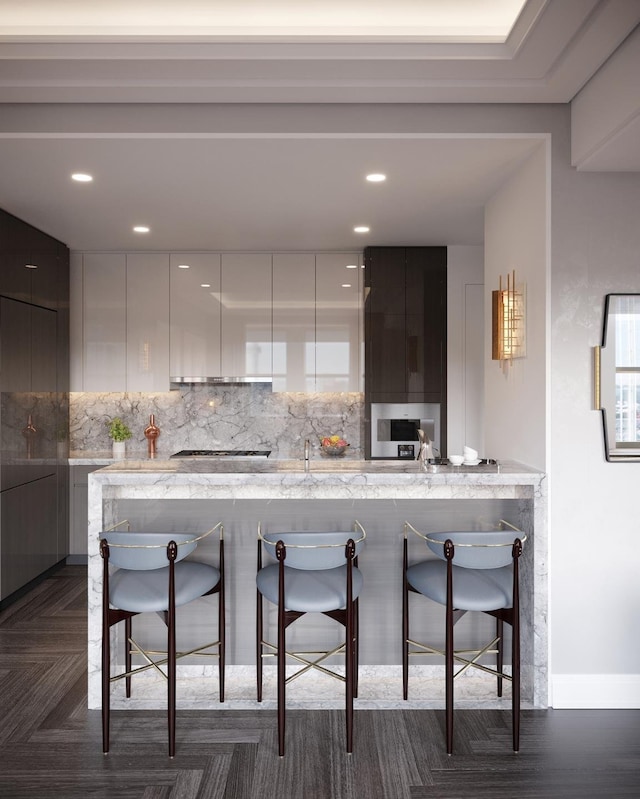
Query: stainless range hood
pixel 177 382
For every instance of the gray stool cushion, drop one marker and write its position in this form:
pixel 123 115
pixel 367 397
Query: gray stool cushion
pixel 309 591
pixel 473 589
pixel 144 591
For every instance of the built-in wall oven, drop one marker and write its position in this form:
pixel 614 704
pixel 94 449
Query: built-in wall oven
pixel 394 428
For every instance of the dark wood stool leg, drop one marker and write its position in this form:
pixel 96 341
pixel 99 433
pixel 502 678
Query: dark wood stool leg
pixel 282 654
pixel 172 551
pixel 259 635
pixel 128 632
pixel 515 673
pixel 448 549
pixel 356 647
pixel 221 626
pixel 405 625
pixel 106 679
pixel 106 647
pixel 351 645
pixel 500 657
pixel 515 645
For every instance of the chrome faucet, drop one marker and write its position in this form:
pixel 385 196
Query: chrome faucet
pixel 425 452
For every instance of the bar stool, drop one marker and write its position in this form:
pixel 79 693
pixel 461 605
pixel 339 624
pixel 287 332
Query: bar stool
pixel 320 576
pixel 152 575
pixel 474 571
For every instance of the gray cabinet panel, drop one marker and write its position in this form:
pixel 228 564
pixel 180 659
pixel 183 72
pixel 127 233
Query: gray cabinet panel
pixel 43 349
pixel 34 381
pixel 15 345
pixel 28 533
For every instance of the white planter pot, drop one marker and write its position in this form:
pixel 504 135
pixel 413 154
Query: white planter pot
pixel 119 449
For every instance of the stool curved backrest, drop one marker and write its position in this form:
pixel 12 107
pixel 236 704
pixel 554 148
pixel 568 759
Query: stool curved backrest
pixel 479 549
pixel 314 551
pixel 145 551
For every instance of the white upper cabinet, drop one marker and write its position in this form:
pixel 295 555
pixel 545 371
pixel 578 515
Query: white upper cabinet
pixel 104 322
pixel 294 320
pixel 195 315
pixel 338 309
pixel 246 315
pixel 147 322
pixel 140 320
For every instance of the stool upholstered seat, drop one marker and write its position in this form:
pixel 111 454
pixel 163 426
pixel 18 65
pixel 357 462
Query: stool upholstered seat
pixel 148 591
pixel 473 589
pixel 309 591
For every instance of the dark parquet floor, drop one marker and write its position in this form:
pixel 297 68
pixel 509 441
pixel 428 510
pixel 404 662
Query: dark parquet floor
pixel 50 743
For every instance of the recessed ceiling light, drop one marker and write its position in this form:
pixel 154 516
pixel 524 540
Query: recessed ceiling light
pixel 82 177
pixel 361 229
pixel 376 177
pixel 30 266
pixel 183 266
pixel 141 229
pixel 352 266
pixel 346 285
pixel 205 285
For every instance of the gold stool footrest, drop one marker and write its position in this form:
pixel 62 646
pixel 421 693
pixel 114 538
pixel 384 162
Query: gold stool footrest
pixel 458 656
pixel 308 664
pixel 136 649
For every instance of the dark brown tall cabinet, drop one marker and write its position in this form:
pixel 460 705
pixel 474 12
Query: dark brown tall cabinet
pixel 406 326
pixel 34 380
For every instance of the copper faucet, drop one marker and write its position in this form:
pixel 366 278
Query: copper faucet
pixel 29 432
pixel 151 433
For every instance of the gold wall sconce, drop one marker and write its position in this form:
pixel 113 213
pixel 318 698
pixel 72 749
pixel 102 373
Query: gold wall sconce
pixel 508 321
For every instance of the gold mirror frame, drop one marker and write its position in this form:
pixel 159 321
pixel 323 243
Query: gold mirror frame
pixel 617 378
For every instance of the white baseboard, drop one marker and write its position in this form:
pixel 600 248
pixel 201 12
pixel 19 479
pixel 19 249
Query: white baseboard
pixel 595 691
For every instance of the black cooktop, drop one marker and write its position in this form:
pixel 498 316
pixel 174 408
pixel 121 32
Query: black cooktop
pixel 222 453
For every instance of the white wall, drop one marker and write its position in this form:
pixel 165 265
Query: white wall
pixel 516 234
pixel 595 532
pixel 465 348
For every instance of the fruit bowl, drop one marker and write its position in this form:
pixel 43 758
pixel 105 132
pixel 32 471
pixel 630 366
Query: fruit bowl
pixel 333 450
pixel 333 445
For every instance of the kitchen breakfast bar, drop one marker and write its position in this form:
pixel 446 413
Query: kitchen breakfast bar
pixel 322 494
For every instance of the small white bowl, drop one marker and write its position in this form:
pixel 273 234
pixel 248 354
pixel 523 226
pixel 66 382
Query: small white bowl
pixel 456 460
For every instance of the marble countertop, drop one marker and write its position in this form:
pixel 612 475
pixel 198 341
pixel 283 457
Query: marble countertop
pixel 331 477
pixel 139 462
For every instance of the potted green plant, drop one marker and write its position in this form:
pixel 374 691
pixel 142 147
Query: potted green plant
pixel 119 433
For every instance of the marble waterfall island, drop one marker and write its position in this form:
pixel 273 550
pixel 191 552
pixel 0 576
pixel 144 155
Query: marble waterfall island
pixel 172 495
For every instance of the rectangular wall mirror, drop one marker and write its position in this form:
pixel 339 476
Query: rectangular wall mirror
pixel 617 377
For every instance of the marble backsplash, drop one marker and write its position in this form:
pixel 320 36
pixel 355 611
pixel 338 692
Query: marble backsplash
pixel 248 416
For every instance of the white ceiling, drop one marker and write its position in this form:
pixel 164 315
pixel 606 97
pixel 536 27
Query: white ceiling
pixel 268 193
pixel 490 20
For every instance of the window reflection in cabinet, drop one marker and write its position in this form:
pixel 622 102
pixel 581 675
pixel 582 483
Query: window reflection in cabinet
pixel 195 315
pixel 338 322
pixel 246 315
pixel 294 354
pixel 147 322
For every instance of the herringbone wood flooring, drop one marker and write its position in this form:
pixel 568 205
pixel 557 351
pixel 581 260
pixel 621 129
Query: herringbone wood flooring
pixel 50 743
